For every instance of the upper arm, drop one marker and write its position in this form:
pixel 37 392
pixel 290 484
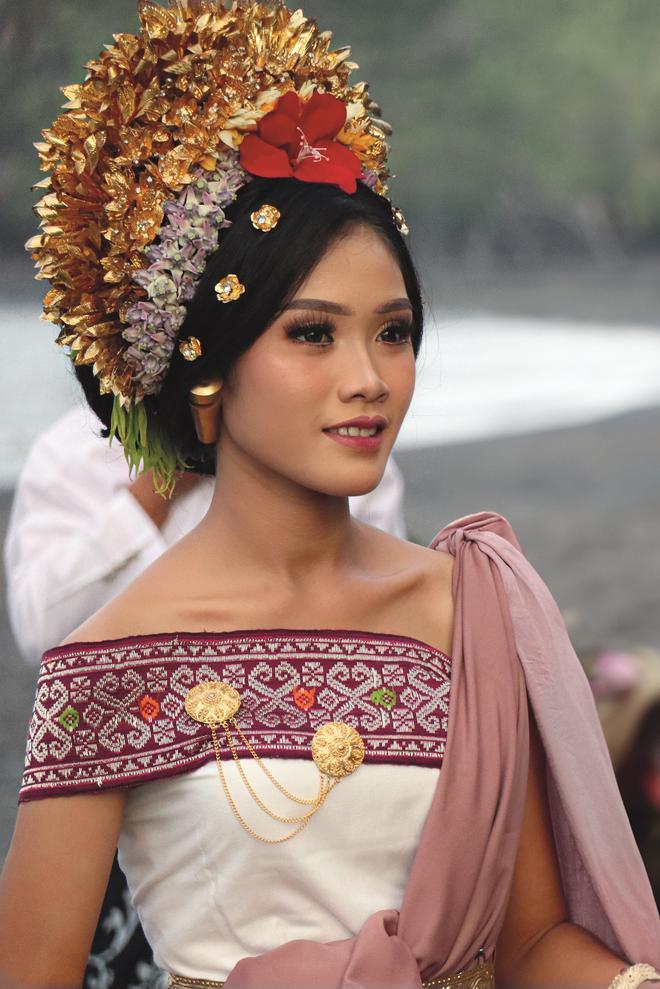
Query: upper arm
pixel 53 883
pixel 536 902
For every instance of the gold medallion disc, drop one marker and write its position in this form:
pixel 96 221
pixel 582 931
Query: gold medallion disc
pixel 213 702
pixel 337 749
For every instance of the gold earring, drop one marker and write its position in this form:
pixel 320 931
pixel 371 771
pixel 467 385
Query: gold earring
pixel 204 400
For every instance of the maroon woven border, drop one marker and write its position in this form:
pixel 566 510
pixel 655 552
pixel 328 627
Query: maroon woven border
pixel 111 713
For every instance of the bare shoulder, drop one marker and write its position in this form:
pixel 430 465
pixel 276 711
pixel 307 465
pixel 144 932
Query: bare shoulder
pixel 433 570
pixel 433 596
pixel 421 579
pixel 429 564
pixel 112 621
pixel 438 563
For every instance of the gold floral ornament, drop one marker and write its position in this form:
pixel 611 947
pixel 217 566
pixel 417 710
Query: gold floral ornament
pixel 154 124
pixel 191 348
pixel 337 750
pixel 265 218
pixel 229 289
pixel 212 702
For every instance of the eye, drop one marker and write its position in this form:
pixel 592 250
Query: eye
pixel 400 328
pixel 311 330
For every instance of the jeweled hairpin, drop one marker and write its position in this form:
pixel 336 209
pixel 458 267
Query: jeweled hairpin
pixel 191 348
pixel 400 221
pixel 265 218
pixel 229 288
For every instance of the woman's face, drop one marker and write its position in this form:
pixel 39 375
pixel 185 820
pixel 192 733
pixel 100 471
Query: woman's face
pixel 342 349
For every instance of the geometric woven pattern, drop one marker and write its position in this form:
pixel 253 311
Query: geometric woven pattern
pixel 112 713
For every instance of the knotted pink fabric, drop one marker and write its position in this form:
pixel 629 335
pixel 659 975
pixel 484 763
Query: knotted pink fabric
pixel 510 645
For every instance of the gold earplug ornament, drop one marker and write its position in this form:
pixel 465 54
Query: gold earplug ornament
pixel 265 218
pixel 337 750
pixel 228 289
pixel 191 348
pixel 204 400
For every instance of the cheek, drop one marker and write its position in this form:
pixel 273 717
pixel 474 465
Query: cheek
pixel 401 380
pixel 271 391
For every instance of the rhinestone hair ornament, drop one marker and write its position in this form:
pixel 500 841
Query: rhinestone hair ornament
pixel 146 157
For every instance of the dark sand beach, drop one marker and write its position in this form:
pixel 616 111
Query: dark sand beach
pixel 584 501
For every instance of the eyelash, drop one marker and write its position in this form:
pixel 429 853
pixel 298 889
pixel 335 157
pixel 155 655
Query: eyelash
pixel 299 327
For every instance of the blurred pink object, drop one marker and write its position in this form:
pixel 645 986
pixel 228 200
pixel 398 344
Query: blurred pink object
pixel 614 672
pixel 626 687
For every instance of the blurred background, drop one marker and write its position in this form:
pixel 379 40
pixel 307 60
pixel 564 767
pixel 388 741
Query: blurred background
pixel 526 150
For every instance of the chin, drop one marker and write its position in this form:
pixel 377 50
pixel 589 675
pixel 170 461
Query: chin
pixel 361 483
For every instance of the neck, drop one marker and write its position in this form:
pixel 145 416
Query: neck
pixel 266 521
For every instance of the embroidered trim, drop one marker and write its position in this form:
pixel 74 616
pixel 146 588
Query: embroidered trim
pixel 112 713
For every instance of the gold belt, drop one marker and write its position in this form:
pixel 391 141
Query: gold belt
pixel 482 977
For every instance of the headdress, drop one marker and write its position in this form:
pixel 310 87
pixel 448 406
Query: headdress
pixel 148 154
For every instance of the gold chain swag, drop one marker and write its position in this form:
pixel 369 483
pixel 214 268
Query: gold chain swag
pixel 337 750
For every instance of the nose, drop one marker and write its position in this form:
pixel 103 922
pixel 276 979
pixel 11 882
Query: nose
pixel 360 376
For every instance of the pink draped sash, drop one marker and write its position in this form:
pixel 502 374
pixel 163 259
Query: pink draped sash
pixel 510 645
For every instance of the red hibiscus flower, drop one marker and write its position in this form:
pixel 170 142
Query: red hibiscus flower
pixel 296 140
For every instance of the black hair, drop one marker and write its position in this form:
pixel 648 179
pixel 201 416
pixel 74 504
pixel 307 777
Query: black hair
pixel 272 266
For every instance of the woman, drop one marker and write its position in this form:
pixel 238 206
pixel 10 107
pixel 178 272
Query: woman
pixel 322 750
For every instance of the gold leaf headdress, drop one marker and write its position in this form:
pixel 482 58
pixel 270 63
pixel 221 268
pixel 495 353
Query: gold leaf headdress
pixel 157 122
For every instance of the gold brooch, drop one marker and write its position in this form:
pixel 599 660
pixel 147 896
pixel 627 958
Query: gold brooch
pixel 228 289
pixel 337 750
pixel 213 702
pixel 265 218
pixel 191 348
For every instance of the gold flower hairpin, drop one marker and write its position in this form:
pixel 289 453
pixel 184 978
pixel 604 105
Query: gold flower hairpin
pixel 190 349
pixel 265 218
pixel 229 289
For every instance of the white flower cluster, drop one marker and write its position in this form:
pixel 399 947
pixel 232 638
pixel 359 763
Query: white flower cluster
pixel 188 236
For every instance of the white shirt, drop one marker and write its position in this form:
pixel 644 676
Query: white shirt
pixel 77 536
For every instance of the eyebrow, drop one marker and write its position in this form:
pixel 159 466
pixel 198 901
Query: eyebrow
pixel 323 305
